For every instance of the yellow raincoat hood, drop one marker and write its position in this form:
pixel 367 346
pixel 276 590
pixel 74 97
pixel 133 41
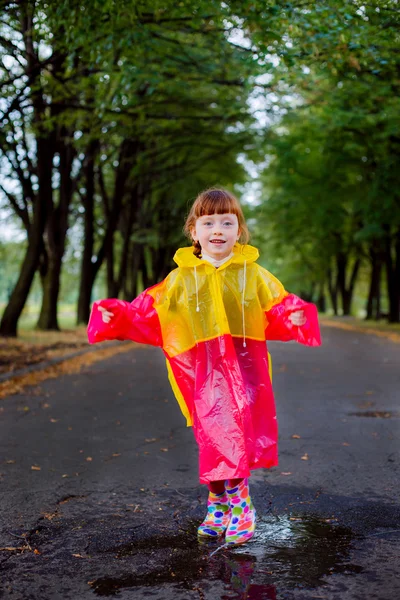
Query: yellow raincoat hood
pixel 184 257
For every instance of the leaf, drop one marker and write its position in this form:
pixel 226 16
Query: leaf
pixel 89 459
pixel 286 473
pixel 36 468
pixel 295 436
pixel 305 456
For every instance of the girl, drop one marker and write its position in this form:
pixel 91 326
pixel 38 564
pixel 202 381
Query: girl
pixel 212 316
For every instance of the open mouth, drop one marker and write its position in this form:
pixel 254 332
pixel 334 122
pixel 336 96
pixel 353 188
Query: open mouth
pixel 217 241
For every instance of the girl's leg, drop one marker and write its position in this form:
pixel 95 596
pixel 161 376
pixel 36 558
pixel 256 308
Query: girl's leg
pixel 243 520
pixel 216 487
pixel 234 482
pixel 218 511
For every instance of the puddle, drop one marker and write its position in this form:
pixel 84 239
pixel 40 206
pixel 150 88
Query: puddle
pixel 379 414
pixel 287 552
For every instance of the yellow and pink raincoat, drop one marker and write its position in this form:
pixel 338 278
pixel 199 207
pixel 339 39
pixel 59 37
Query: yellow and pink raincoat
pixel 212 324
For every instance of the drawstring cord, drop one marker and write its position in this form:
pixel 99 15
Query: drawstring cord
pixel 197 290
pixel 243 292
pixel 243 296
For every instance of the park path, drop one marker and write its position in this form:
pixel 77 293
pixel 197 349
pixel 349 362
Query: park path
pixel 99 480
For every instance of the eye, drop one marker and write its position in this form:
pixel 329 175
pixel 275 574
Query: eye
pixel 228 223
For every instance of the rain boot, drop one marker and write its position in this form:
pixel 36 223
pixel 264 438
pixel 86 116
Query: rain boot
pixel 243 520
pixel 218 516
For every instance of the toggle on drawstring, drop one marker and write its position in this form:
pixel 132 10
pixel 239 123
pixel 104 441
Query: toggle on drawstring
pixel 197 290
pixel 243 292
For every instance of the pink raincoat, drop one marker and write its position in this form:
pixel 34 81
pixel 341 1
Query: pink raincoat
pixel 212 324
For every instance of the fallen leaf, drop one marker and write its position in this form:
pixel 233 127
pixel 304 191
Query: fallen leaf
pixel 116 454
pixel 35 468
pixel 287 473
pixel 10 462
pixel 149 440
pixel 89 458
pixel 295 436
pixel 164 449
pixel 78 556
pixel 305 456
pixel 49 516
pixel 65 475
pixel 36 551
pixel 54 420
pixel 345 444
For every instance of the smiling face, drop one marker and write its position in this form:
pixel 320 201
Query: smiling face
pixel 216 234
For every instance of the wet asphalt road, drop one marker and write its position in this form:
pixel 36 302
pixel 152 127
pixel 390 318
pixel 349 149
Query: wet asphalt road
pixel 112 503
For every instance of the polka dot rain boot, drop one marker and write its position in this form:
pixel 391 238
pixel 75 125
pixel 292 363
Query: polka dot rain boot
pixel 243 520
pixel 218 516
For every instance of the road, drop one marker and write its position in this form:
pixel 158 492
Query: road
pixel 100 493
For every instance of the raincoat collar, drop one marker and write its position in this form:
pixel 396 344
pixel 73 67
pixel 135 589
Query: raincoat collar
pixel 242 253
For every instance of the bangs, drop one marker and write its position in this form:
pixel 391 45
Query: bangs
pixel 216 202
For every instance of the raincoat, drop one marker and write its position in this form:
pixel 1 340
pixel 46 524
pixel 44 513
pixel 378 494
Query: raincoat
pixel 212 324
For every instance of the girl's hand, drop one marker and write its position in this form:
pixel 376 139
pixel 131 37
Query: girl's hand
pixel 106 315
pixel 297 318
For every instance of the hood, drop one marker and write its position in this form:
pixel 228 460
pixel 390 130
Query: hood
pixel 184 257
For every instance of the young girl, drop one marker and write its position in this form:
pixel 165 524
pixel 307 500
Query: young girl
pixel 212 316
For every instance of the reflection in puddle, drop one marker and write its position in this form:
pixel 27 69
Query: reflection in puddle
pixel 286 553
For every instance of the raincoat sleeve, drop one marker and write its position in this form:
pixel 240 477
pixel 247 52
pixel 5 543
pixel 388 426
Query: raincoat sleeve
pixel 278 304
pixel 136 321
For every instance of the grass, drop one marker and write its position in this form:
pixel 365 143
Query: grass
pixel 33 346
pixel 381 328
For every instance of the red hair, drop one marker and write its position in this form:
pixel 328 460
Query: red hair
pixel 215 201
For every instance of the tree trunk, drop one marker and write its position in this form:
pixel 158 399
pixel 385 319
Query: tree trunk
pixel 392 259
pixel 48 320
pixel 373 302
pixel 87 274
pixel 321 300
pixel 111 283
pixel 55 237
pixel 333 291
pixel 346 292
pixel 19 295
